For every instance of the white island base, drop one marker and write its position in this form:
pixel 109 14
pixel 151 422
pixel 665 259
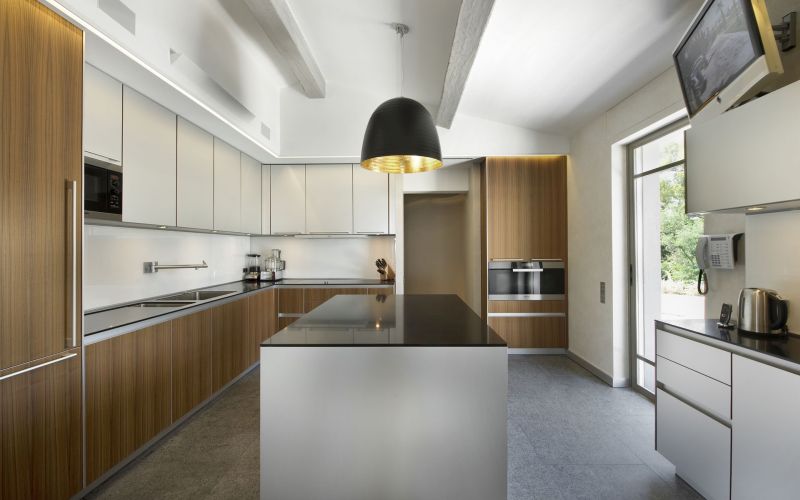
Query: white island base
pixel 383 422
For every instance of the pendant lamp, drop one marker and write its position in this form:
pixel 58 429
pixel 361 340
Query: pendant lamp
pixel 401 137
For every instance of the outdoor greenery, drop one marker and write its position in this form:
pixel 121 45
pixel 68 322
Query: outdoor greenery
pixel 679 233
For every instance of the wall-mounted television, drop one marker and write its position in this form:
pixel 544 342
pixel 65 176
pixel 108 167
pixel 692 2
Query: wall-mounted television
pixel 728 49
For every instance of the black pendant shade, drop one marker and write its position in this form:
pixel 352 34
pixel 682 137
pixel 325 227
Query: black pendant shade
pixel 401 138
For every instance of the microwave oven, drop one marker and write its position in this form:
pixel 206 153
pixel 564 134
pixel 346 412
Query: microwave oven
pixel 102 192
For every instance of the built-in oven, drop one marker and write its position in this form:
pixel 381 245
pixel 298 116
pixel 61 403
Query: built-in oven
pixel 102 192
pixel 517 279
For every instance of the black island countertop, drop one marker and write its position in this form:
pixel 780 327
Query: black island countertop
pixel 783 347
pixel 130 314
pixel 394 320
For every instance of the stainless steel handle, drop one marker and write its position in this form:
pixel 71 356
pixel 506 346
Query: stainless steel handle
pixel 153 267
pixel 72 186
pixel 329 232
pixel 527 315
pixel 527 270
pixel 515 259
pixel 30 369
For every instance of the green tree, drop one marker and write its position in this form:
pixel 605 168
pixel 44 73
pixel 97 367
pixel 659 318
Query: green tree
pixel 679 232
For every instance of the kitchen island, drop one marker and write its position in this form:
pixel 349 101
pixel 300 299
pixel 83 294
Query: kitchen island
pixel 391 397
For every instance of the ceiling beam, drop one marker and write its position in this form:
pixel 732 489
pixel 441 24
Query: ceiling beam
pixel 278 22
pixel 472 20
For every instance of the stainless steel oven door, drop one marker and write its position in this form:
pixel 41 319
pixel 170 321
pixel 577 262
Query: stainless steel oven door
pixel 526 280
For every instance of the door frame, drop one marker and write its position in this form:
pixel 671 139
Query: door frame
pixel 633 300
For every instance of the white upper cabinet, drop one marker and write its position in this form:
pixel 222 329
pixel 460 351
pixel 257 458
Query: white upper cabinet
pixel 149 160
pixel 288 197
pixel 746 156
pixel 265 199
pixel 102 122
pixel 251 195
pixel 227 187
pixel 195 176
pixel 329 198
pixel 370 201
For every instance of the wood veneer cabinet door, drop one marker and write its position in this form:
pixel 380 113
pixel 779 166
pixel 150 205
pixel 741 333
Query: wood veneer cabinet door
pixel 41 106
pixel 191 361
pixel 527 207
pixel 262 321
pixel 531 332
pixel 41 429
pixel 230 353
pixel 315 297
pixel 128 395
pixel 290 300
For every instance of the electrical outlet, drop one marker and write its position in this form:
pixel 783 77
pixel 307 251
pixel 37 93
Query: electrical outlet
pixel 602 292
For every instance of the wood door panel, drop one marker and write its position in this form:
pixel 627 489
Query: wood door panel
pixel 128 395
pixel 41 108
pixel 230 343
pixel 542 332
pixel 380 291
pixel 524 306
pixel 284 322
pixel 290 300
pixel 191 361
pixel 527 207
pixel 262 321
pixel 41 429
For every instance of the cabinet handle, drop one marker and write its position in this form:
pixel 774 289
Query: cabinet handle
pixel 30 369
pixel 72 186
pixel 527 270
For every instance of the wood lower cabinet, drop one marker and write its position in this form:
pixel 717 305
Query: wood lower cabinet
pixel 41 429
pixel 230 347
pixel 315 297
pixel 539 324
pixel 262 321
pixel 527 207
pixel 191 361
pixel 128 395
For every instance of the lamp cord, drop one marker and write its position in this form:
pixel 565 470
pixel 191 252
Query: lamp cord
pixel 401 30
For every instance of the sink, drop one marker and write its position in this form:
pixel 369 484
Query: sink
pixel 196 296
pixel 163 303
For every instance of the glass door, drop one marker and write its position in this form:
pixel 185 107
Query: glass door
pixel 663 238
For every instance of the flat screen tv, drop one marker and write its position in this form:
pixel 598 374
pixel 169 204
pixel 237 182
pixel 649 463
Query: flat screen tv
pixel 728 49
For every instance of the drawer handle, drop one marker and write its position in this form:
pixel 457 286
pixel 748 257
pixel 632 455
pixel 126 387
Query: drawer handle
pixel 41 365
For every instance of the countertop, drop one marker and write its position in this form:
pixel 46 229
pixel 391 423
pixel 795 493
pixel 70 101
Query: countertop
pixel 394 320
pixel 785 347
pixel 122 315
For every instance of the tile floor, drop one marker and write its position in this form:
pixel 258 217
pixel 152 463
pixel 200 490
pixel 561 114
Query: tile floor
pixel 570 437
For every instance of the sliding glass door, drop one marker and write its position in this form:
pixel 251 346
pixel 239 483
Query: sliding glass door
pixel 663 238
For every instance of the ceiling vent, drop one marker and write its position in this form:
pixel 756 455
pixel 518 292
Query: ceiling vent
pixel 120 13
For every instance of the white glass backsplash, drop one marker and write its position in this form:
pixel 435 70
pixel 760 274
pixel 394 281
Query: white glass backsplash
pixel 113 257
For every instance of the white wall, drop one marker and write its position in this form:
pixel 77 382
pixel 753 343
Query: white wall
pixel 329 257
pixel 597 225
pixel 113 258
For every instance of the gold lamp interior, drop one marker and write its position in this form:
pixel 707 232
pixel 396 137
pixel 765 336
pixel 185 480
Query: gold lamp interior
pixel 401 164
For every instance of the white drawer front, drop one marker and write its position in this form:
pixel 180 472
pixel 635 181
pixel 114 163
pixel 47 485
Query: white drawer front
pixel 702 358
pixel 698 446
pixel 705 392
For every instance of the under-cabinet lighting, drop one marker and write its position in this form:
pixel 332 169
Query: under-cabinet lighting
pixel 756 209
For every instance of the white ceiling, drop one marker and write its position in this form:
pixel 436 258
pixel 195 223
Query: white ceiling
pixel 552 65
pixel 355 47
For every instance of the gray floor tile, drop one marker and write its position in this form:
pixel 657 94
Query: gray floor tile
pixel 570 436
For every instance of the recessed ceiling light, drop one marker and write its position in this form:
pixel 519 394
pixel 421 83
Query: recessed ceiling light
pixel 756 209
pixel 162 227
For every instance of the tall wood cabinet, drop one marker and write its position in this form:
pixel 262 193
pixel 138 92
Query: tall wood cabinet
pixel 41 165
pixel 526 218
pixel 527 207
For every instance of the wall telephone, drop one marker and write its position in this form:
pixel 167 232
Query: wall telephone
pixel 715 251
